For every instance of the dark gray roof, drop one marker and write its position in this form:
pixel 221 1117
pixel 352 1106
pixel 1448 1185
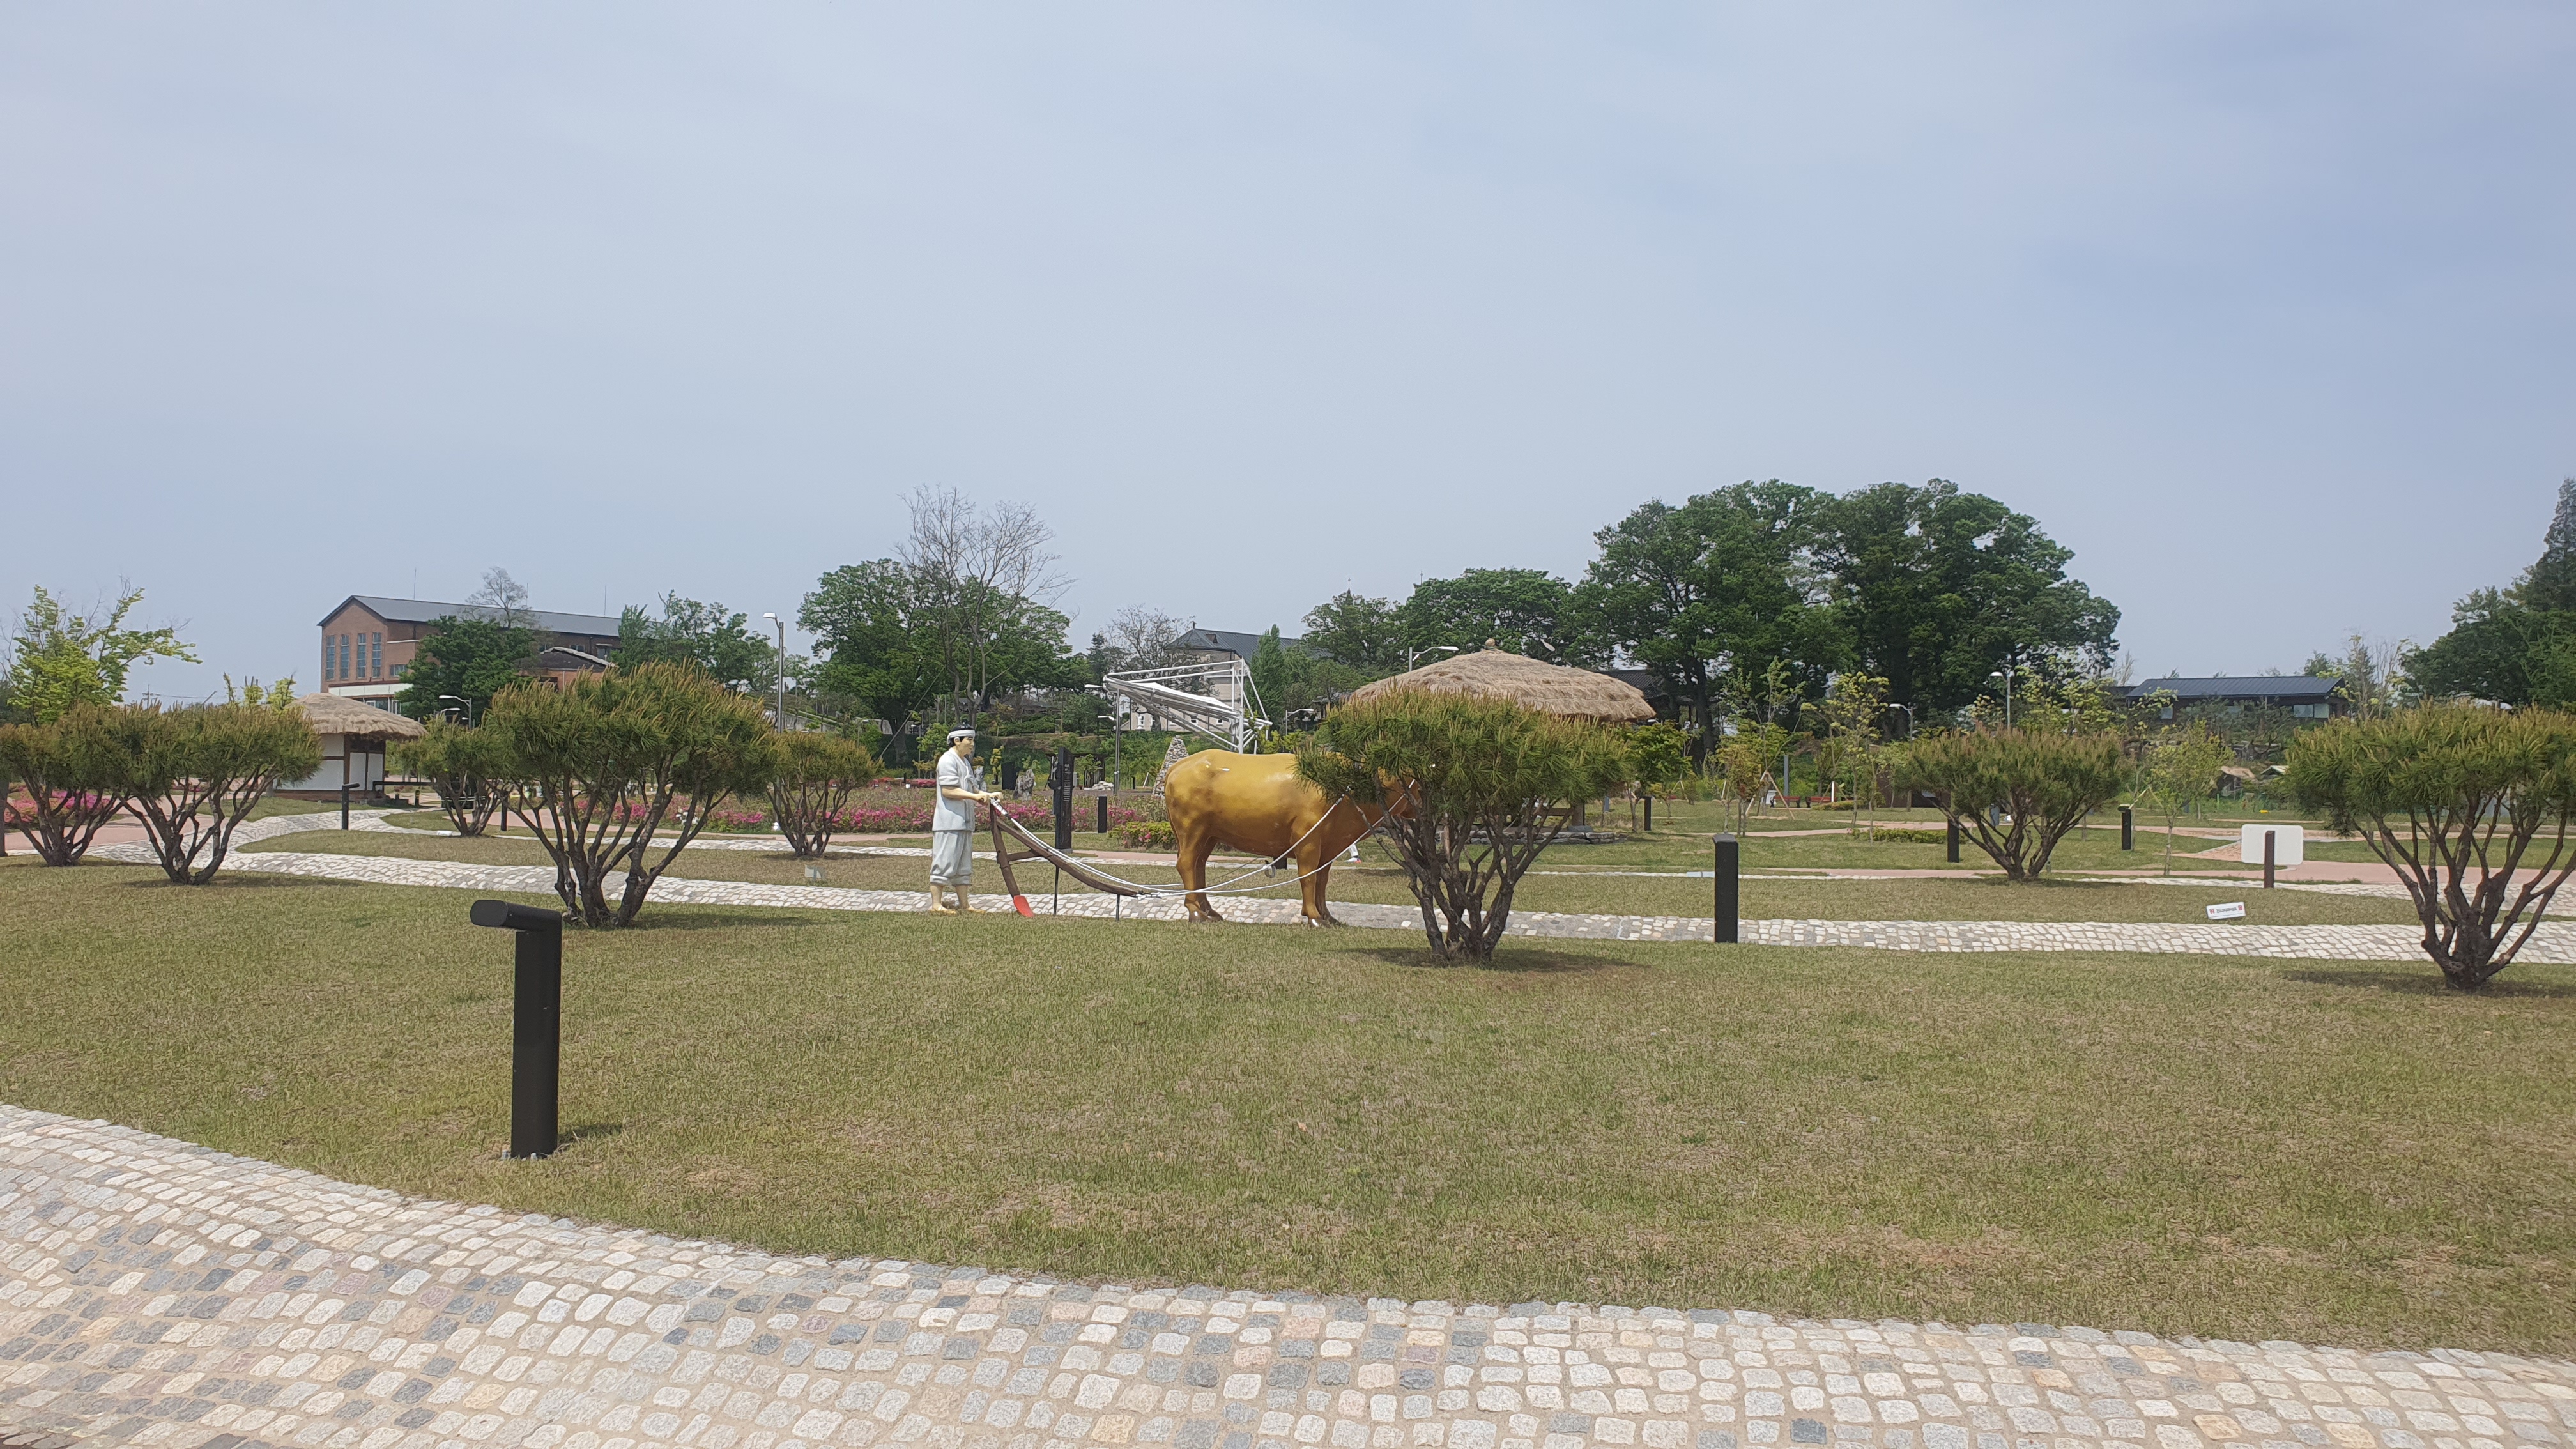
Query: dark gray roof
pixel 421 611
pixel 2296 688
pixel 1647 682
pixel 1227 641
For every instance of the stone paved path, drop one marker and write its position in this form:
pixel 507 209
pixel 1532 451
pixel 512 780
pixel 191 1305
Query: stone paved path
pixel 154 1292
pixel 2554 944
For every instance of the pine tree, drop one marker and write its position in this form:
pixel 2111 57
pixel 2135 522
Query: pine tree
pixel 2551 583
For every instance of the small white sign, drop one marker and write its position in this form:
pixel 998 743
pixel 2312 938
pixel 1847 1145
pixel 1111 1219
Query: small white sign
pixel 2289 844
pixel 2227 911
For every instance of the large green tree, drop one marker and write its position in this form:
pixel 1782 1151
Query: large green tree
pixel 1714 592
pixel 60 659
pixel 1941 588
pixel 689 632
pixel 1527 611
pixel 2514 645
pixel 470 659
pixel 876 644
pixel 1361 633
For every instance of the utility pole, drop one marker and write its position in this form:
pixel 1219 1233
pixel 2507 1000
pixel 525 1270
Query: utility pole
pixel 780 669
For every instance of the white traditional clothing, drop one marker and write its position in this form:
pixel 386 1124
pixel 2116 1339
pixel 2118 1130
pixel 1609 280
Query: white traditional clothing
pixel 952 823
pixel 955 773
pixel 952 858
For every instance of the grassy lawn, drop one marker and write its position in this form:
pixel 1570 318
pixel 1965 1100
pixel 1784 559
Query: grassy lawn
pixel 2318 1151
pixel 1763 899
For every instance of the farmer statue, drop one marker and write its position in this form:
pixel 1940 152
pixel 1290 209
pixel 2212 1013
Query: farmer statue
pixel 952 822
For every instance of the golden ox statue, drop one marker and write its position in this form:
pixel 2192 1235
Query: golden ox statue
pixel 1259 805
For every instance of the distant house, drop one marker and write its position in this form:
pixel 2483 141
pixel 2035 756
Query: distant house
pixel 1220 646
pixel 2303 696
pixel 367 641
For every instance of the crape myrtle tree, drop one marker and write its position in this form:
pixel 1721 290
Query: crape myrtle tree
pixel 1476 788
pixel 2469 805
pixel 194 773
pixel 464 766
pixel 689 632
pixel 472 658
pixel 1716 593
pixel 2041 783
pixel 610 758
pixel 1938 589
pixel 70 793
pixel 816 774
pixel 2176 767
pixel 1851 750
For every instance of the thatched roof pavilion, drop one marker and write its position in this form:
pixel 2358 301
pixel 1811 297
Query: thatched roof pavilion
pixel 332 714
pixel 1500 674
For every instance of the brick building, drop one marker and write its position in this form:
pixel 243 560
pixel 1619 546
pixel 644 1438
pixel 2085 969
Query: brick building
pixel 367 640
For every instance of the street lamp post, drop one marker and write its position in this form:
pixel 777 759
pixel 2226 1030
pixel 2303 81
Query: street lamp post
pixel 781 669
pixel 467 703
pixel 2006 677
pixel 1412 654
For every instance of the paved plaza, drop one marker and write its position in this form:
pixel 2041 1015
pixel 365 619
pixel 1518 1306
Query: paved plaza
pixel 158 1293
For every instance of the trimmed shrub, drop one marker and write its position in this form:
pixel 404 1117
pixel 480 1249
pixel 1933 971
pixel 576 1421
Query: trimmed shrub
pixel 817 774
pixel 2470 806
pixel 68 795
pixel 193 774
pixel 606 757
pixel 2043 785
pixel 463 766
pixel 1474 789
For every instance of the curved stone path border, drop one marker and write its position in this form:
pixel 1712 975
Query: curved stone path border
pixel 160 1293
pixel 2553 944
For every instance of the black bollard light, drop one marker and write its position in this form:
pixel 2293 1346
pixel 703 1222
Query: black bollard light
pixel 1060 792
pixel 1650 815
pixel 536 1023
pixel 1728 895
pixel 2128 827
pixel 344 804
pixel 1103 828
pixel 1954 842
pixel 2271 839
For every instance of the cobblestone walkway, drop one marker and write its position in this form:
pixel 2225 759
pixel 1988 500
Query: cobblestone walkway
pixel 154 1292
pixel 2554 944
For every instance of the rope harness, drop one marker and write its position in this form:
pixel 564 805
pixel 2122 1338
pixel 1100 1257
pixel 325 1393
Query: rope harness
pixel 1101 880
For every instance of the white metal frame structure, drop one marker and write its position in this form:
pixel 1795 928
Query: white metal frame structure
pixel 1177 693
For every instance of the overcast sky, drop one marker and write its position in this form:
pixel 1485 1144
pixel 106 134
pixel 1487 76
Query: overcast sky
pixel 2263 309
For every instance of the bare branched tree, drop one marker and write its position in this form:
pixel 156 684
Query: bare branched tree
pixel 980 571
pixel 2373 674
pixel 502 599
pixel 1140 637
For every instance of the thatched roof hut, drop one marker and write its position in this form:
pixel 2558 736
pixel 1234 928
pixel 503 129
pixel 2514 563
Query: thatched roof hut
pixel 1500 674
pixel 332 714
